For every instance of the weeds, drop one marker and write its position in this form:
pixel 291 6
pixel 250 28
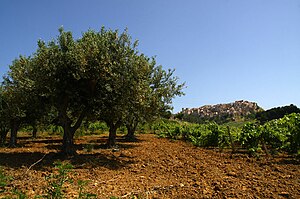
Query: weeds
pixel 56 184
pixel 56 181
pixel 89 147
pixel 3 181
pixel 19 194
pixel 81 194
pixel 14 193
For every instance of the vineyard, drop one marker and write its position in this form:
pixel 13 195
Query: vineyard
pixel 170 159
pixel 272 137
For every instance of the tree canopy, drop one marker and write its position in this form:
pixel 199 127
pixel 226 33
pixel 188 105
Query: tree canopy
pixel 276 113
pixel 101 75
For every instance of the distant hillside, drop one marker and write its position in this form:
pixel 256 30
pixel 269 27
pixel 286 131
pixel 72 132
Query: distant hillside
pixel 276 113
pixel 221 113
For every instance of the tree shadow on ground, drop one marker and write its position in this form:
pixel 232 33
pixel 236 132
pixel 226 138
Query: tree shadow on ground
pixel 99 143
pixel 111 161
pixel 28 141
pixel 42 161
pixel 87 157
pixel 290 160
pixel 45 141
pixel 119 139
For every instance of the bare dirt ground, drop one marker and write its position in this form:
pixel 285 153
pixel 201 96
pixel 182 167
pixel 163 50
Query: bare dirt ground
pixel 152 168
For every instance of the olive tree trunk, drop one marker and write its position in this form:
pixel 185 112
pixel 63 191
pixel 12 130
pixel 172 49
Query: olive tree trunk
pixel 3 135
pixel 34 132
pixel 111 142
pixel 15 124
pixel 68 148
pixel 131 128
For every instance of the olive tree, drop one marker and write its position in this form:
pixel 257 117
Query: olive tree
pixel 4 120
pixel 162 87
pixel 69 73
pixel 100 75
pixel 138 91
pixel 15 96
pixel 129 88
pixel 86 76
pixel 20 104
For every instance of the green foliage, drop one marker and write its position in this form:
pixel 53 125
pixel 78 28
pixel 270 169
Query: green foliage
pixel 19 194
pixel 3 180
pixel 14 193
pixel 284 133
pixel 250 137
pixel 214 136
pixel 293 126
pixel 276 113
pixel 205 135
pixel 101 75
pixel 55 185
pixel 97 127
pixel 167 129
pixel 54 129
pixel 89 147
pixel 92 128
pixel 81 194
pixel 4 119
pixel 278 134
pixel 274 133
pixel 122 129
pixel 236 124
pixel 55 181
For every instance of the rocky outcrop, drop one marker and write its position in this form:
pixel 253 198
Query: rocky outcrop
pixel 222 112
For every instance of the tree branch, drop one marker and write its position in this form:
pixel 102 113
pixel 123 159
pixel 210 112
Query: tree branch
pixel 79 120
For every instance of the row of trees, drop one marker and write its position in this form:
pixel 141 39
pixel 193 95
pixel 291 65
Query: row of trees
pixel 100 76
pixel 276 113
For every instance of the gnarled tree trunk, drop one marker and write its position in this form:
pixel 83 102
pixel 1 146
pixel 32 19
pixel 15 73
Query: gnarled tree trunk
pixel 131 128
pixel 68 148
pixel 3 135
pixel 34 131
pixel 111 142
pixel 15 124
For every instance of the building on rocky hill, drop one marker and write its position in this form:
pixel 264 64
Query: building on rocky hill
pixel 222 112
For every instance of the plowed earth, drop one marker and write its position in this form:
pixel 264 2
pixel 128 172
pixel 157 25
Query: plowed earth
pixel 151 168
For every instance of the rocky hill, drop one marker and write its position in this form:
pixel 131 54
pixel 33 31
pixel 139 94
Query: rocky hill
pixel 238 110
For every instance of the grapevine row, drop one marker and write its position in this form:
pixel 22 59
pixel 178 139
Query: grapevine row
pixel 274 136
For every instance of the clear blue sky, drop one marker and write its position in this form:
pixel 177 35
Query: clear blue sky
pixel 225 50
